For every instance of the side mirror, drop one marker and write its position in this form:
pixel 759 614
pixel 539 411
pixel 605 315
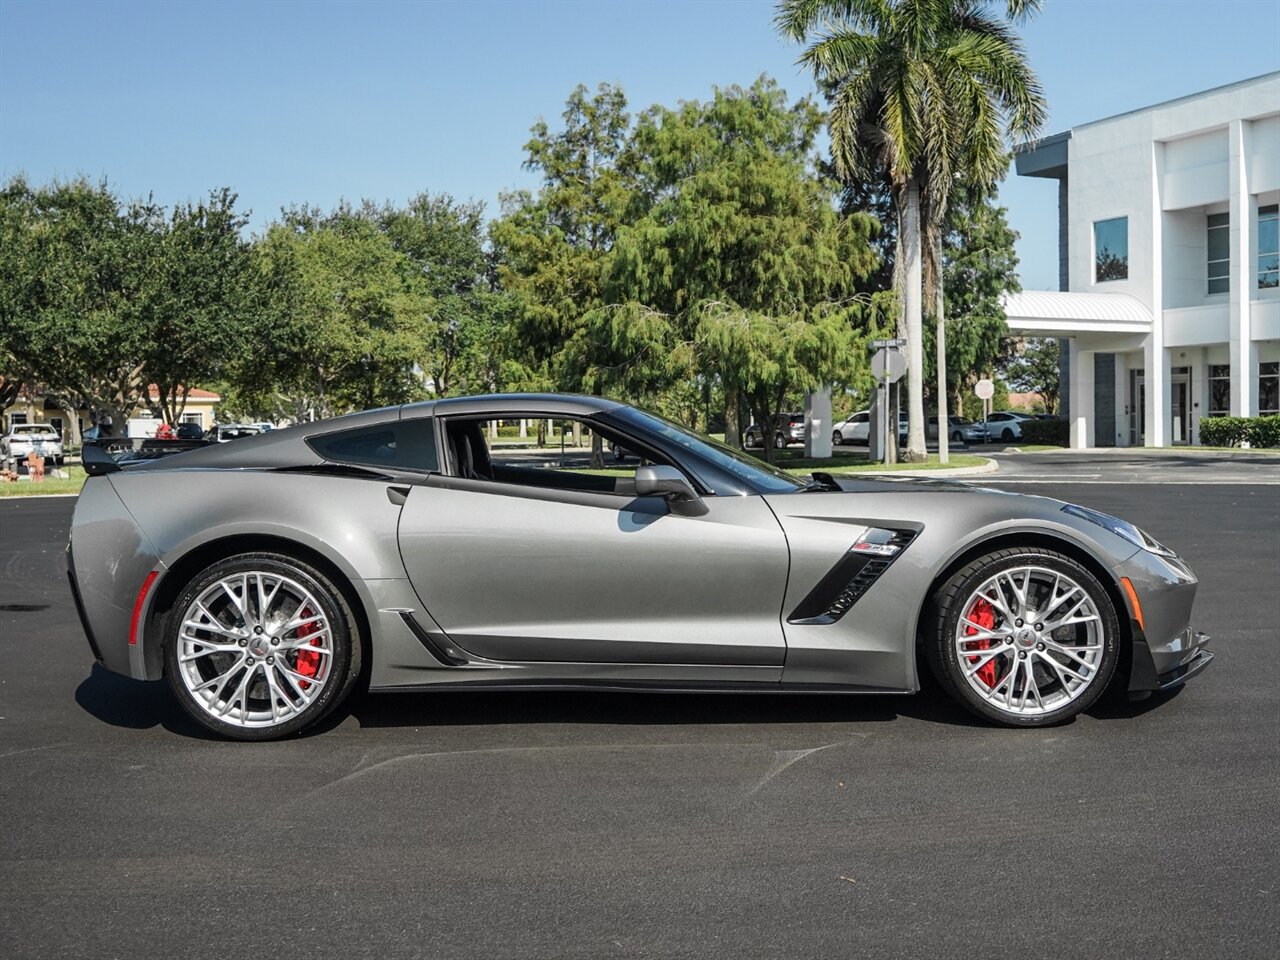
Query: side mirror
pixel 663 481
pixel 97 461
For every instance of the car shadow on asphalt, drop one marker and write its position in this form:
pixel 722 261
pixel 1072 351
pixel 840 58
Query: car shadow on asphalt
pixel 140 705
pixel 645 708
pixel 136 704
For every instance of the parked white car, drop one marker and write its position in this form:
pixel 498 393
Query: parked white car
pixel 857 429
pixel 26 438
pixel 1006 425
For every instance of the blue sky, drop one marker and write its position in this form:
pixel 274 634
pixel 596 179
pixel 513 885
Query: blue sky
pixel 294 102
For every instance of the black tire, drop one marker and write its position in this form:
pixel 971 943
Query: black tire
pixel 1007 435
pixel 780 442
pixel 942 618
pixel 749 441
pixel 837 438
pixel 957 437
pixel 347 656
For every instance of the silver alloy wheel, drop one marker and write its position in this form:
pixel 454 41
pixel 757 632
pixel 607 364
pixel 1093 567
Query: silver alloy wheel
pixel 1029 640
pixel 255 649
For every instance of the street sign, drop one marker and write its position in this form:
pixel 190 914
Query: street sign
pixel 888 366
pixel 984 389
pixel 881 344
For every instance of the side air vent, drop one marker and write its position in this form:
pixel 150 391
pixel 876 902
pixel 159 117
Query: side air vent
pixel 855 574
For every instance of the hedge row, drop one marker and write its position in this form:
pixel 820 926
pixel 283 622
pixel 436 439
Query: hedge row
pixel 1234 431
pixel 1047 432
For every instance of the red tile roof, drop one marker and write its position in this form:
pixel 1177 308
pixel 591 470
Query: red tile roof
pixel 195 394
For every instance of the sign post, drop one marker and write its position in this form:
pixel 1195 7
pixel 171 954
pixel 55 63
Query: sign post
pixel 984 389
pixel 887 366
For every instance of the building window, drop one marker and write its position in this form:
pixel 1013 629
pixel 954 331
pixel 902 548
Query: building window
pixel 1268 388
pixel 1219 252
pixel 1111 249
pixel 1219 389
pixel 193 418
pixel 1269 247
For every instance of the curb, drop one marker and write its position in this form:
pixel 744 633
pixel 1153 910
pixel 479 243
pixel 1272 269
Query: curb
pixel 991 466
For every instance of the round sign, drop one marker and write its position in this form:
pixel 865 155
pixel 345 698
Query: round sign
pixel 985 389
pixel 888 365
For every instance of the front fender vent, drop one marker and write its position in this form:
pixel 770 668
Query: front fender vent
pixel 853 575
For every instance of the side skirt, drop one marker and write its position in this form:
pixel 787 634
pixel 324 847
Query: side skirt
pixel 639 686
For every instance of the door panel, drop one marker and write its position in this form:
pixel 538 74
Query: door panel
pixel 530 574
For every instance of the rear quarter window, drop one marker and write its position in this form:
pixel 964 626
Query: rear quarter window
pixel 401 444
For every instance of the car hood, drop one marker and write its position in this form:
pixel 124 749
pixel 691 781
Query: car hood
pixel 953 514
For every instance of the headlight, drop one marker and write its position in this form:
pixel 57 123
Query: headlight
pixel 1121 528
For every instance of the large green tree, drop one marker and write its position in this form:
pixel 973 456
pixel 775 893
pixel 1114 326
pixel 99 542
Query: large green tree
pixel 927 90
pixel 101 299
pixel 738 252
pixel 554 246
pixel 199 305
pixel 344 321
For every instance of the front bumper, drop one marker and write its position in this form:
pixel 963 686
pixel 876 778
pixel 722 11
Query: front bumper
pixel 1197 661
pixel 1167 650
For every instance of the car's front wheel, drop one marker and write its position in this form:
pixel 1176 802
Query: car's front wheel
pixel 259 646
pixel 957 437
pixel 1007 435
pixel 1024 637
pixel 780 442
pixel 837 438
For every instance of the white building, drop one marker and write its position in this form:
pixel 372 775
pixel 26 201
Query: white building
pixel 1169 265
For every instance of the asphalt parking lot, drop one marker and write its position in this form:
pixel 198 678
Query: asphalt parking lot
pixel 598 825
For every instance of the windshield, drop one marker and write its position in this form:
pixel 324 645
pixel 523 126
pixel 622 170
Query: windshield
pixel 745 467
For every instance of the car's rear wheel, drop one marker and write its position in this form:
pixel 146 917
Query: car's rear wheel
pixel 957 436
pixel 260 646
pixel 1024 637
pixel 1007 435
pixel 780 442
pixel 749 440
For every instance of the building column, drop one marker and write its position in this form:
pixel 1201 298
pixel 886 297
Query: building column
pixel 1080 395
pixel 1244 361
pixel 1159 418
pixel 1122 399
pixel 817 418
pixel 1155 364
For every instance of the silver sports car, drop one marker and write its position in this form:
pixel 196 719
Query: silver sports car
pixel 426 546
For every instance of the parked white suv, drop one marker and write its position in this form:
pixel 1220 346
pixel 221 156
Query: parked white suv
pixel 26 438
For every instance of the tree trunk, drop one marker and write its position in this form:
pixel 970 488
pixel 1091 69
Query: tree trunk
pixel 944 427
pixel 732 423
pixel 913 281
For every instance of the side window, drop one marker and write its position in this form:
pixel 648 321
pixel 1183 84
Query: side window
pixel 862 418
pixel 552 453
pixel 400 444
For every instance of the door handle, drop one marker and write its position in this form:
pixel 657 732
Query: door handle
pixel 398 495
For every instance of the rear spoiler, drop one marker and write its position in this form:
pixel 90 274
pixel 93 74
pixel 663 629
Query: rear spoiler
pixel 110 454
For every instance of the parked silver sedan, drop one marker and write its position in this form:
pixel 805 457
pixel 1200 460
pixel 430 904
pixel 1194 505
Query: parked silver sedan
pixel 264 579
pixel 959 430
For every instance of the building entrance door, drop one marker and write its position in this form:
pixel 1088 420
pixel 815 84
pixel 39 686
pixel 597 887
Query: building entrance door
pixel 1180 404
pixel 1137 408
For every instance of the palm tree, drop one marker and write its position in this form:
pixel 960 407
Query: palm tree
pixel 931 91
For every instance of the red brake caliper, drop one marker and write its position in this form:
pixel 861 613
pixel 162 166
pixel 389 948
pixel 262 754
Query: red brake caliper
pixel 308 662
pixel 984 615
